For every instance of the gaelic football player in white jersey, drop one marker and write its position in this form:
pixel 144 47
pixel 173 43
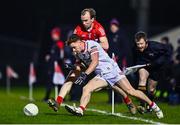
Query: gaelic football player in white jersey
pixel 96 59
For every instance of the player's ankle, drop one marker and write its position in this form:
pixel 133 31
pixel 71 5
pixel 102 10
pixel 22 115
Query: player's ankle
pixel 59 100
pixel 127 100
pixel 82 107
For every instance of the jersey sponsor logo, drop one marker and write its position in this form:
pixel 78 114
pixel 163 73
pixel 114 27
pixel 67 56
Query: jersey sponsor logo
pixel 151 54
pixel 94 50
pixel 108 68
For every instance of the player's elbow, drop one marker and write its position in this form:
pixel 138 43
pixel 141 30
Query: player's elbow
pixel 106 47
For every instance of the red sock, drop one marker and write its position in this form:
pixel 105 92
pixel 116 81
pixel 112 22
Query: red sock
pixel 127 100
pixel 59 100
pixel 83 108
pixel 151 104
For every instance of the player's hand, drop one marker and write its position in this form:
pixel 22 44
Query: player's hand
pixel 70 66
pixel 81 79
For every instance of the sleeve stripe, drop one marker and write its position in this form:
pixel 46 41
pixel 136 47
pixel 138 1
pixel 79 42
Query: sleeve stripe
pixel 94 52
pixel 94 49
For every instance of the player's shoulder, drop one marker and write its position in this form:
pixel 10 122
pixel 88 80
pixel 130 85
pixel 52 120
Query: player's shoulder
pixel 99 28
pixel 97 24
pixel 92 43
pixel 79 27
pixel 154 43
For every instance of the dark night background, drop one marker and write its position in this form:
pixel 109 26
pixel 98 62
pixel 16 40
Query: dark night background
pixel 25 24
pixel 30 19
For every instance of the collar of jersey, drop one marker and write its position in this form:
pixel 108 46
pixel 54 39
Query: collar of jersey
pixel 89 30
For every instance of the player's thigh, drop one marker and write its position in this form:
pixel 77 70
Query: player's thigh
pixel 143 76
pixel 143 73
pixel 95 84
pixel 124 84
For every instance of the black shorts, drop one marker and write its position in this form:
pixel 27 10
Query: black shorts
pixel 158 73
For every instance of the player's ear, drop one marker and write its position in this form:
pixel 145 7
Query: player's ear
pixel 146 40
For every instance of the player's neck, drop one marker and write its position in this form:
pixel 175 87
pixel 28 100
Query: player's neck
pixel 90 28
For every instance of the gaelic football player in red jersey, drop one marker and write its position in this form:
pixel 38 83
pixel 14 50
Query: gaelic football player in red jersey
pixel 90 29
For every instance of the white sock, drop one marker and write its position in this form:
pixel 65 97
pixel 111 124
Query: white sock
pixel 155 107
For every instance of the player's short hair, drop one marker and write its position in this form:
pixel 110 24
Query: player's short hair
pixel 72 38
pixel 140 35
pixel 91 11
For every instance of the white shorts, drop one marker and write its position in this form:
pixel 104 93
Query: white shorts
pixel 112 77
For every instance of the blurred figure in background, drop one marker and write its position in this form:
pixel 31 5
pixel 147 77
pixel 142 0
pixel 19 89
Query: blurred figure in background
pixel 174 96
pixel 177 51
pixel 118 44
pixel 56 53
pixel 165 40
pixel 164 86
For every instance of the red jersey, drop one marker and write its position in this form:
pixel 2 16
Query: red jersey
pixel 93 33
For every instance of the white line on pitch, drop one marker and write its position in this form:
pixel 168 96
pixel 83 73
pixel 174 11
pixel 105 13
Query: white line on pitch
pixel 123 116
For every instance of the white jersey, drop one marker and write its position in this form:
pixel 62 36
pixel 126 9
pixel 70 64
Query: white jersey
pixel 106 67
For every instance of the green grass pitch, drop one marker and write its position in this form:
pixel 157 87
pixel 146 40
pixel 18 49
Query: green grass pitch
pixel 11 110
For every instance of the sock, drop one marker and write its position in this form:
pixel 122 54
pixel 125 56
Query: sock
pixel 127 100
pixel 143 89
pixel 59 100
pixel 152 104
pixel 82 107
pixel 154 107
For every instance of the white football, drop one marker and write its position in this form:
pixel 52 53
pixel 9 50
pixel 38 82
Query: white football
pixel 31 109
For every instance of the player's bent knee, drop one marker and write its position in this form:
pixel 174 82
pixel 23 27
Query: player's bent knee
pixel 86 89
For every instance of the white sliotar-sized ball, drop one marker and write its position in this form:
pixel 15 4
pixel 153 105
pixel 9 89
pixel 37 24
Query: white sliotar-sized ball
pixel 30 109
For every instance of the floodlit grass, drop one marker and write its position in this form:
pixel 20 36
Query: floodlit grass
pixel 11 110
